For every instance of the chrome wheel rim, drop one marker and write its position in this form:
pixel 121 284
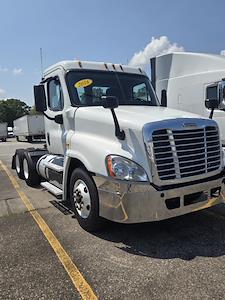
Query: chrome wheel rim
pixel 17 164
pixel 82 199
pixel 25 169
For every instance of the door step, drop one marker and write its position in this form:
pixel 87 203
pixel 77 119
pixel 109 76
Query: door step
pixel 52 189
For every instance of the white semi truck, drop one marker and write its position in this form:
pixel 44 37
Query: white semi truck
pixel 29 127
pixel 185 81
pixel 114 153
pixel 3 132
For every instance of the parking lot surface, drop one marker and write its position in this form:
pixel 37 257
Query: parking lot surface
pixel 180 258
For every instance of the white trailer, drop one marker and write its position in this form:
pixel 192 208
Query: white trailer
pixel 114 153
pixel 189 79
pixel 3 132
pixel 29 127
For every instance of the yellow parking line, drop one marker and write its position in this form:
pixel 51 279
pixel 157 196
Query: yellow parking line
pixel 77 278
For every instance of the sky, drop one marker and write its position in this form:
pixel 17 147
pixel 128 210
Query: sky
pixel 119 31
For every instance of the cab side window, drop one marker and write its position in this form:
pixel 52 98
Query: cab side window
pixel 55 95
pixel 139 92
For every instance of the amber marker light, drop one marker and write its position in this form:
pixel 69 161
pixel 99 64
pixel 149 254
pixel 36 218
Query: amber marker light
pixel 110 166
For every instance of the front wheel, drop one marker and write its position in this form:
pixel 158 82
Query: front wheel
pixel 84 200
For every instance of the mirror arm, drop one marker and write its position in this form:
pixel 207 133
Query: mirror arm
pixel 211 113
pixel 120 134
pixel 52 119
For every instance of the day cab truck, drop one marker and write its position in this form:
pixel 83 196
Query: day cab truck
pixel 114 153
pixel 186 81
pixel 3 132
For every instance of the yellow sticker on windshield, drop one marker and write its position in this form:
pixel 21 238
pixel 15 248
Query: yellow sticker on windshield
pixel 83 83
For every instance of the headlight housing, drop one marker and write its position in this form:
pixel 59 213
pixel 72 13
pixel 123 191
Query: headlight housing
pixel 122 168
pixel 223 156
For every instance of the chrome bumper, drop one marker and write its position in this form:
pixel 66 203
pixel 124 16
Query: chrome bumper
pixel 135 202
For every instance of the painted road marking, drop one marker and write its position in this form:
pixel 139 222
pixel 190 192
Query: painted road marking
pixel 77 278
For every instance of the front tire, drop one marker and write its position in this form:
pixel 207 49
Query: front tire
pixel 84 200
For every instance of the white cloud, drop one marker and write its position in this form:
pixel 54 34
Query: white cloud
pixel 3 69
pixel 222 52
pixel 157 46
pixel 2 92
pixel 17 71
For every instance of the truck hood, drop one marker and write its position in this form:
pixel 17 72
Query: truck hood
pixel 98 120
pixel 140 115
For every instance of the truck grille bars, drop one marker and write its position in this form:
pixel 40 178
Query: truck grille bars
pixel 187 152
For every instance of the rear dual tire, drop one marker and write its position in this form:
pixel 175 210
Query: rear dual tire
pixel 30 173
pixel 19 163
pixel 26 168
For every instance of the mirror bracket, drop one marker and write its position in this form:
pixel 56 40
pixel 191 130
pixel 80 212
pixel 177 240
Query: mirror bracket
pixel 163 98
pixel 111 102
pixel 59 119
pixel 211 104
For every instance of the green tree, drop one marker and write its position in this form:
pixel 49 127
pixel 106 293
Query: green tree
pixel 33 111
pixel 12 109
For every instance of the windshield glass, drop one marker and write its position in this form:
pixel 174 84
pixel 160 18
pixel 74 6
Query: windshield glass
pixel 87 87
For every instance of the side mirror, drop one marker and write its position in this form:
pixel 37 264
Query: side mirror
pixel 221 94
pixel 110 102
pixel 59 119
pixel 163 98
pixel 212 103
pixel 40 98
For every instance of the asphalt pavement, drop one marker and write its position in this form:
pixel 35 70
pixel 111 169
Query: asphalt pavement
pixel 180 258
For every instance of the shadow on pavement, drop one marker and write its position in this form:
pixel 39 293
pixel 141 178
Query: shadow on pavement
pixel 185 237
pixel 62 206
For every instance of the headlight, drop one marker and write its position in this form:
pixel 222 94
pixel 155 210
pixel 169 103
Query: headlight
pixel 125 169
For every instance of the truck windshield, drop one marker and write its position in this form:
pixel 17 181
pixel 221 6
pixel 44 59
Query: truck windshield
pixel 87 87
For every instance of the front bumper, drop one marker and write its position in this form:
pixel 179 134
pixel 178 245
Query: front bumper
pixel 126 202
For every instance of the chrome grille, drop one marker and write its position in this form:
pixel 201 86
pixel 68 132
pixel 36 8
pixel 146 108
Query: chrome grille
pixel 184 153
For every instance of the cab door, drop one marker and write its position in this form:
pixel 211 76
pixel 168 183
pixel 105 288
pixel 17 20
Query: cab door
pixel 54 124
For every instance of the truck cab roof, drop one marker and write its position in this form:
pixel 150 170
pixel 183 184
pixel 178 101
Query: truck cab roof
pixel 91 65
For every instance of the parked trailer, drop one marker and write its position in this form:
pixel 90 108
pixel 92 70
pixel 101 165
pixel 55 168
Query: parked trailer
pixel 187 81
pixel 114 153
pixel 3 132
pixel 29 127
